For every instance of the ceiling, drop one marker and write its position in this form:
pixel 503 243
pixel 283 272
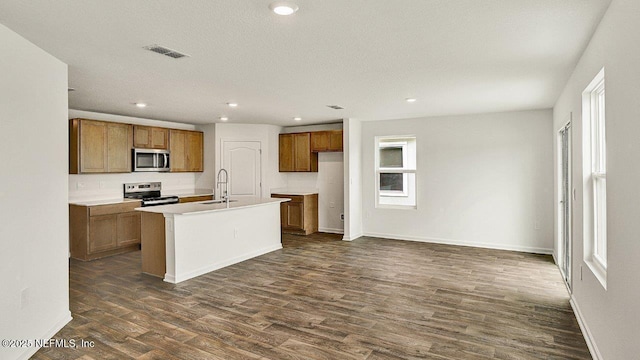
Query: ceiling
pixel 368 56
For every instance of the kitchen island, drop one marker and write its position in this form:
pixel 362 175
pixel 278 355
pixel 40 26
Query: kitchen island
pixel 182 241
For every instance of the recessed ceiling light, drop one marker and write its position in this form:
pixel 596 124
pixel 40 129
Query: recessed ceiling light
pixel 410 100
pixel 283 7
pixel 224 118
pixel 231 104
pixel 297 118
pixel 141 105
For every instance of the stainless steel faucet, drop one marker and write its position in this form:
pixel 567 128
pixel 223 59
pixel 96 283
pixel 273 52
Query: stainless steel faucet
pixel 225 194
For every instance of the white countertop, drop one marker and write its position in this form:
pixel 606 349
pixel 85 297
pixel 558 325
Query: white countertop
pixel 202 206
pixel 178 193
pixel 293 191
pixel 101 202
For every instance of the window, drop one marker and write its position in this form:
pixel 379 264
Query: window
pixel 595 175
pixel 396 172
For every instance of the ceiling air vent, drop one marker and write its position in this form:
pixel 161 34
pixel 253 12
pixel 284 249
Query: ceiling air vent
pixel 336 107
pixel 165 51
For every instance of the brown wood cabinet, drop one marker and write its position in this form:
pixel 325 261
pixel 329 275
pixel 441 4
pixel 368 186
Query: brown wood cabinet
pixel 195 198
pixel 103 230
pixel 99 147
pixel 187 150
pixel 295 153
pixel 300 215
pixel 150 137
pixel 154 255
pixel 330 140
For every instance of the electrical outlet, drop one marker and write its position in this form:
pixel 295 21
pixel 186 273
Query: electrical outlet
pixel 332 204
pixel 80 185
pixel 341 217
pixel 235 233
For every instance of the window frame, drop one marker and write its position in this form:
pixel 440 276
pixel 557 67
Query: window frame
pixel 595 175
pixel 407 168
pixel 404 145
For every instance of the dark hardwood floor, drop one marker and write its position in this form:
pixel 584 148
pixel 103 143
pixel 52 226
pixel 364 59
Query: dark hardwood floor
pixel 322 298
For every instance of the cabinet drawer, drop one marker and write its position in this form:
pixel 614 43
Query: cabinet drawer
pixel 114 208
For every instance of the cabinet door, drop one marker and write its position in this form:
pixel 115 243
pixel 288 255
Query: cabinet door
pixel 284 214
pixel 195 198
pixel 178 157
pixel 102 233
pixel 159 138
pixel 93 146
pixel 335 140
pixel 319 141
pixel 119 144
pixel 294 215
pixel 142 137
pixel 302 152
pixel 194 149
pixel 128 228
pixel 286 152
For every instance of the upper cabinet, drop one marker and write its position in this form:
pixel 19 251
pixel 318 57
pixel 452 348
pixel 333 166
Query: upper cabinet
pixel 295 153
pixel 149 137
pixel 330 140
pixel 186 149
pixel 99 147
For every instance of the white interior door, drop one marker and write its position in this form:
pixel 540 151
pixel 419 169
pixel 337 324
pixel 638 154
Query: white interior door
pixel 564 213
pixel 243 161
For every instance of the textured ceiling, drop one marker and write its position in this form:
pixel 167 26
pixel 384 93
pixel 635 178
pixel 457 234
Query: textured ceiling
pixel 454 56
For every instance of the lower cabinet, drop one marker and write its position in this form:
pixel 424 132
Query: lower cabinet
pixel 300 215
pixel 195 198
pixel 103 230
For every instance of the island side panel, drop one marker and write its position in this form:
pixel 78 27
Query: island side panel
pixel 210 241
pixel 153 244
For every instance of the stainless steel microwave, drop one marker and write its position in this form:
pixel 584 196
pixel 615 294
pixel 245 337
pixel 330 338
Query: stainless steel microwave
pixel 150 160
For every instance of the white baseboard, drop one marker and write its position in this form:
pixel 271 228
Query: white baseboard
pixel 586 333
pixel 331 230
pixel 527 249
pixel 64 320
pixel 352 237
pixel 220 265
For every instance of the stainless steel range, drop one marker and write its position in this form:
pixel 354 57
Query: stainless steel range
pixel 149 193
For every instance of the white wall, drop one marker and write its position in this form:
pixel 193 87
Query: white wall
pixel 34 300
pixel 84 187
pixel 352 132
pixel 483 180
pixel 611 318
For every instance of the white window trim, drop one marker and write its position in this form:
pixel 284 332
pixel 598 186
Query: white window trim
pixel 395 170
pixel 404 170
pixel 594 177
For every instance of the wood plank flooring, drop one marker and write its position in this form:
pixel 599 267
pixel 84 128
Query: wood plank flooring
pixel 322 298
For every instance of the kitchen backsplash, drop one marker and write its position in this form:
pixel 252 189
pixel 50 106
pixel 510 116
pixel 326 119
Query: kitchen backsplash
pixel 109 186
